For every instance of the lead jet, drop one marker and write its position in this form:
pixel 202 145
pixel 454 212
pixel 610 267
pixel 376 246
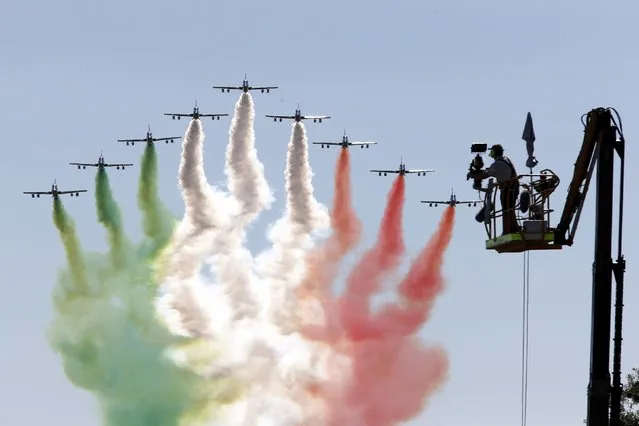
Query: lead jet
pixel 453 201
pixel 195 115
pixel 149 139
pixel 404 171
pixel 298 117
pixel 55 193
pixel 345 143
pixel 245 87
pixel 100 164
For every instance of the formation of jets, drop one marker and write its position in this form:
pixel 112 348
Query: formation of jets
pixel 196 115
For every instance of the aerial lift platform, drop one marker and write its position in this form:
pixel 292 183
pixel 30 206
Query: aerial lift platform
pixel 603 137
pixel 533 218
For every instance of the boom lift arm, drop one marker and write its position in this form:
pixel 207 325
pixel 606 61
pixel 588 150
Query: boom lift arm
pixel 597 125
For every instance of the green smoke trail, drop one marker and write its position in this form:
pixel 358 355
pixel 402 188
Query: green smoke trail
pixel 109 215
pixel 106 331
pixel 157 220
pixel 77 284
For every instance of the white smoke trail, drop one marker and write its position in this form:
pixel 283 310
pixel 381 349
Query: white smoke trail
pixel 245 172
pixel 251 355
pixel 203 217
pixel 281 364
pixel 275 364
pixel 261 353
pixel 255 347
pixel 250 195
pixel 283 266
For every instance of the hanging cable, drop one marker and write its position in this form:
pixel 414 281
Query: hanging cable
pixel 524 338
pixel 524 331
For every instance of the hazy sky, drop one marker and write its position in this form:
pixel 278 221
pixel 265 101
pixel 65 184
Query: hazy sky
pixel 423 78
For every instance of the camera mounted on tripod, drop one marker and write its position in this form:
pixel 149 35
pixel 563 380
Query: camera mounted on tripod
pixel 477 164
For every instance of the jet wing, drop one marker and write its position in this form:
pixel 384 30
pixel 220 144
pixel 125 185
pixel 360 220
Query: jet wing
pixel 72 192
pixel 470 202
pixel 262 88
pixel 84 164
pixel 431 202
pixel 315 117
pixel 213 115
pixel 179 115
pixel 166 139
pixel 229 87
pixel 118 165
pixel 420 170
pixel 328 143
pixel 287 117
pixel 38 192
pixel 361 143
pixel 385 171
pixel 131 140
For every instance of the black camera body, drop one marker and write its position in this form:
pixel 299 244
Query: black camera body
pixel 478 148
pixel 477 164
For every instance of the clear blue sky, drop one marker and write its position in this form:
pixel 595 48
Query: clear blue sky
pixel 423 78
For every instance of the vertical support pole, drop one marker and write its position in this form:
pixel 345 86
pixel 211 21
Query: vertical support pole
pixel 619 269
pixel 617 388
pixel 599 385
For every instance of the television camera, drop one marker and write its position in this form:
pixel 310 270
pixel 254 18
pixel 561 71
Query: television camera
pixel 477 164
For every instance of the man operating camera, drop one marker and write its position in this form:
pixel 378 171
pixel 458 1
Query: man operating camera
pixel 503 170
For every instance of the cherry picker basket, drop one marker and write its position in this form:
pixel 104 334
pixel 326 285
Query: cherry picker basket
pixel 532 210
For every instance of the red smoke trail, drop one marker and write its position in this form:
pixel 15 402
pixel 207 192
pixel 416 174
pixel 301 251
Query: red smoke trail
pixel 365 278
pixel 392 374
pixel 322 264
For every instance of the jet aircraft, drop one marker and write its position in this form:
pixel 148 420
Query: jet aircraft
pixel 453 201
pixel 195 115
pixel 404 171
pixel 101 164
pixel 149 139
pixel 55 193
pixel 245 87
pixel 298 117
pixel 345 143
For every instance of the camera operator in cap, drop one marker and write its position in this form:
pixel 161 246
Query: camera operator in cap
pixel 503 170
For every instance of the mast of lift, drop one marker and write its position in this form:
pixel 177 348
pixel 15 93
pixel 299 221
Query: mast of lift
pixel 600 411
